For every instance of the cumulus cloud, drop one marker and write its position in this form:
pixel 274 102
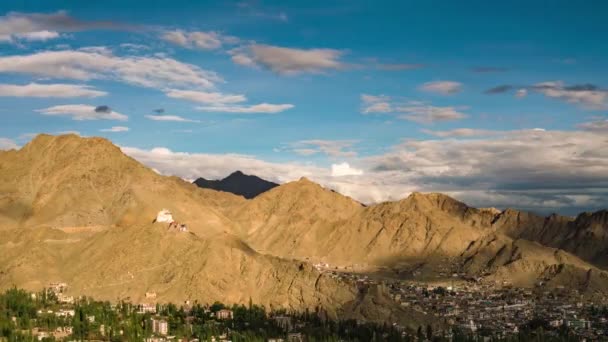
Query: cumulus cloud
pixel 8 144
pixel 332 148
pixel 289 61
pixel 115 129
pixel 174 118
pixel 564 171
pixel 197 39
pixel 154 72
pixel 59 90
pixel 45 26
pixel 82 112
pixel 217 166
pixel 262 108
pixel 525 159
pixel 344 169
pixel 442 87
pixel 205 97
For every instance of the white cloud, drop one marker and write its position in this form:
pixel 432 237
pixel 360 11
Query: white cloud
pixel 442 87
pixel 69 132
pixel 103 50
pixel 344 169
pixel 585 95
pixel 216 166
pixel 205 97
pixel 289 61
pixel 375 104
pixel 134 47
pixel 154 72
pixel 225 103
pixel 38 35
pixel 174 118
pixel 410 110
pixel 306 151
pixel 332 148
pixel 427 114
pixel 511 161
pixel 521 93
pixel 196 39
pixel 266 108
pixel 115 129
pixel 8 144
pixel 528 169
pixel 461 132
pixel 243 59
pixel 59 90
pixel 81 112
pixel 45 26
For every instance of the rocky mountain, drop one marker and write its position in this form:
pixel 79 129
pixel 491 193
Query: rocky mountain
pixel 238 183
pixel 426 236
pixel 80 211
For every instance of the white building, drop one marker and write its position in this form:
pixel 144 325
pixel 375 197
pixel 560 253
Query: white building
pixel 164 216
pixel 160 327
pixel 145 308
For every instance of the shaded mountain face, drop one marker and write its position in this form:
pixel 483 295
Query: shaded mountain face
pixel 238 183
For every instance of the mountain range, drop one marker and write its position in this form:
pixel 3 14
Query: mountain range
pixel 238 183
pixel 80 211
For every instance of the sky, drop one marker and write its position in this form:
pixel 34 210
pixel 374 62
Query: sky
pixel 498 104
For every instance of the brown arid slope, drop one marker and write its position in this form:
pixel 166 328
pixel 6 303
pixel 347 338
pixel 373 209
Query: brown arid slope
pixel 427 235
pixel 585 236
pixel 77 210
pixel 128 262
pixel 80 211
pixel 68 181
pixel 295 218
pixel 302 219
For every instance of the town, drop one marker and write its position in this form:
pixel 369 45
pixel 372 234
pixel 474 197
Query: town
pixel 474 313
pixel 497 311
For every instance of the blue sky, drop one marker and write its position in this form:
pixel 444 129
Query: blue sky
pixel 372 98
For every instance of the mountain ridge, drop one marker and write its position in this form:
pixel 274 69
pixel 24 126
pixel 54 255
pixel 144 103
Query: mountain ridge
pixel 238 183
pixel 72 205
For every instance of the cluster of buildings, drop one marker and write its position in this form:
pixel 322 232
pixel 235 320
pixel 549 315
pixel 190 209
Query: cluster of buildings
pixel 165 216
pixel 475 307
pixel 471 307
